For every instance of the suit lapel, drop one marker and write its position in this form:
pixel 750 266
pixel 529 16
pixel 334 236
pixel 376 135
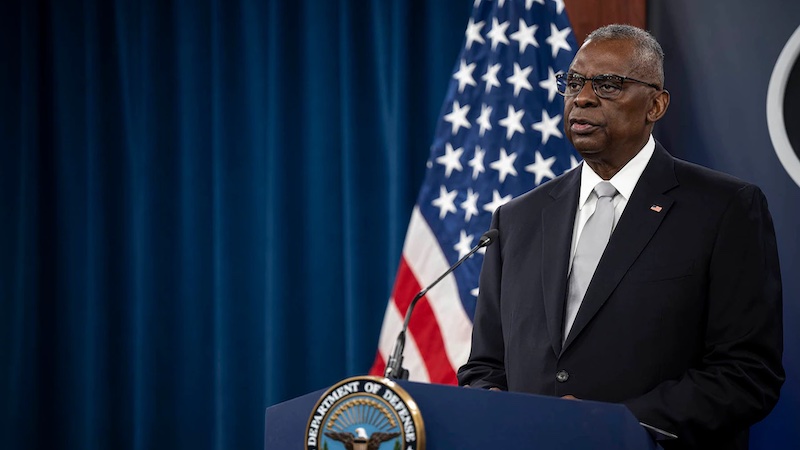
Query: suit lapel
pixel 558 220
pixel 643 214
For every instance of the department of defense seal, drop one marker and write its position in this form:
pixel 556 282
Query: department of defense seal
pixel 365 413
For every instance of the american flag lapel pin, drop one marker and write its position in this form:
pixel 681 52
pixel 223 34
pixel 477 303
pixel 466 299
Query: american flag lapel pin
pixel 656 208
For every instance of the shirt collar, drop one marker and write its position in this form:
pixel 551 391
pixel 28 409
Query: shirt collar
pixel 624 180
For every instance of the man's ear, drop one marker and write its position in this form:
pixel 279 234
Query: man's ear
pixel 659 107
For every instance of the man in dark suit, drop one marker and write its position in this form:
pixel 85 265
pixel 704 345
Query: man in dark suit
pixel 681 319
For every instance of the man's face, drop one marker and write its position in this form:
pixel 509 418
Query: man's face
pixel 610 130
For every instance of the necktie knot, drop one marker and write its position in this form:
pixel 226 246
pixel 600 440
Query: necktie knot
pixel 605 189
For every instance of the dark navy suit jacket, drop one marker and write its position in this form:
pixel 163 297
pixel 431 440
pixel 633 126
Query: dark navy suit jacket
pixel 682 321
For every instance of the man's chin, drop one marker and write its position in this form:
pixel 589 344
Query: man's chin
pixel 586 144
pixel 588 151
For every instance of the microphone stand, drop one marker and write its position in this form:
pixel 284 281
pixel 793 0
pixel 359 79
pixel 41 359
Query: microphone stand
pixel 394 368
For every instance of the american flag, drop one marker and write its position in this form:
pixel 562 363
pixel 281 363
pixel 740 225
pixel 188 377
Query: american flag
pixel 500 135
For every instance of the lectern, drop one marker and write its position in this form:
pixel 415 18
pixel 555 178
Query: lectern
pixel 465 419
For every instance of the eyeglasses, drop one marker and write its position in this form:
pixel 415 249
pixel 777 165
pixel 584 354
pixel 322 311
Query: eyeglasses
pixel 606 86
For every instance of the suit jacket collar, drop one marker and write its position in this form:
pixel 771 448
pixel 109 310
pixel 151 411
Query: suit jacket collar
pixel 558 219
pixel 644 213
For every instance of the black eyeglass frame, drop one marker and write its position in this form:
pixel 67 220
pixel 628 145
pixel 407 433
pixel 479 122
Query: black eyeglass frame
pixel 561 82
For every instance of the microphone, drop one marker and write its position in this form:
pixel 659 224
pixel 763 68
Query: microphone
pixel 394 368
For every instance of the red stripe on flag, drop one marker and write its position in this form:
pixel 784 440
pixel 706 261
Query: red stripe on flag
pixel 378 366
pixel 423 327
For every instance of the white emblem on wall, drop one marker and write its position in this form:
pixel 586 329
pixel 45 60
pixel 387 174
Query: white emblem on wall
pixel 775 101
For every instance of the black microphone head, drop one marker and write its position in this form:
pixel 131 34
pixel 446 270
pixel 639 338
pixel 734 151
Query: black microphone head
pixel 489 237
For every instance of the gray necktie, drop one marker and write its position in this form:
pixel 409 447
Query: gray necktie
pixel 591 245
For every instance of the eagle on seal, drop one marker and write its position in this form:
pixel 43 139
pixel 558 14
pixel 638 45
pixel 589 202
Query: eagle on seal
pixel 360 441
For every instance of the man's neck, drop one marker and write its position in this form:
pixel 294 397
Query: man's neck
pixel 606 168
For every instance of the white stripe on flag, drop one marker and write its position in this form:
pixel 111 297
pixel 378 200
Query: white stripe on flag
pixel 426 260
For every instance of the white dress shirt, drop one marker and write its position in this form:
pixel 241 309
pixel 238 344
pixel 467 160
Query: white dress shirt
pixel 624 181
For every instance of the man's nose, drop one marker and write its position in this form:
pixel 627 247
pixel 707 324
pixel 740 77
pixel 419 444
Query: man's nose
pixel 586 96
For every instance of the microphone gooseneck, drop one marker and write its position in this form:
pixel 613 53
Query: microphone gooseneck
pixel 394 368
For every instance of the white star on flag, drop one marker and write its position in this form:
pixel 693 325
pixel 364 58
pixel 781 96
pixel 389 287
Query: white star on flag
pixel 520 79
pixel 558 39
pixel 451 159
pixel 474 33
pixel 548 126
pixel 470 205
pixel 464 75
pixel 498 33
pixel 541 168
pixel 497 201
pixel 464 244
pixel 551 84
pixel 505 165
pixel 477 162
pixel 483 119
pixel 525 35
pixel 490 77
pixel 445 202
pixel 512 122
pixel 458 117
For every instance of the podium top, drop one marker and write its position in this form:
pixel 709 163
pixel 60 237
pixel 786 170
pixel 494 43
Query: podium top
pixel 468 419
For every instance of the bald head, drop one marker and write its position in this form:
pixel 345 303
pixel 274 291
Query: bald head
pixel 649 54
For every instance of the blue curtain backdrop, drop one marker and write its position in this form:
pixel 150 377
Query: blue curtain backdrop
pixel 203 207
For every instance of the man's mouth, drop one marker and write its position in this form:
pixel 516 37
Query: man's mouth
pixel 581 126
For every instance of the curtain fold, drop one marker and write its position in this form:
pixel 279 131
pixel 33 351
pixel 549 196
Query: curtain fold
pixel 204 204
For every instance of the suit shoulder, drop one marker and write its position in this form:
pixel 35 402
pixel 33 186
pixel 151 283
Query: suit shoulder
pixel 691 175
pixel 544 192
